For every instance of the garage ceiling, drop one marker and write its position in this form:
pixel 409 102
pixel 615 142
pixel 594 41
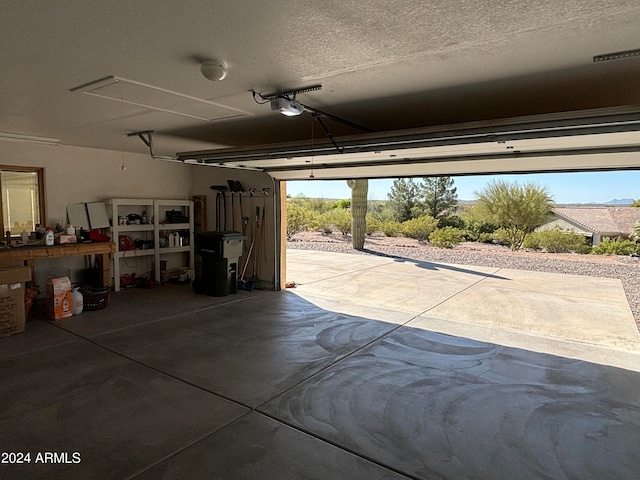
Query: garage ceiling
pixel 385 65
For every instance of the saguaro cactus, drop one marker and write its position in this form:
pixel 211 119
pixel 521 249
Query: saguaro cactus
pixel 359 190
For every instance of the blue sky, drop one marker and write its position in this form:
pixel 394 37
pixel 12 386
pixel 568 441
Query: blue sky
pixel 582 187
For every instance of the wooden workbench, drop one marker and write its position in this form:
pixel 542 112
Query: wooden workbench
pixel 29 254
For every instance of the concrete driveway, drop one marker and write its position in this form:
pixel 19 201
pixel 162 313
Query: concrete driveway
pixel 572 316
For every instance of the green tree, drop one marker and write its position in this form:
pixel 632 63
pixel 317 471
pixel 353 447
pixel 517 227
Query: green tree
pixel 438 198
pixel 517 209
pixel 635 203
pixel 403 197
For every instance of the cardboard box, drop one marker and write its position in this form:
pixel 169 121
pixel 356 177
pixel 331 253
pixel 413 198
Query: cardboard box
pixel 59 301
pixel 12 316
pixel 68 239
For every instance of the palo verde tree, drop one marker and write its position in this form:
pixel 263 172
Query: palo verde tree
pixel 403 198
pixel 517 209
pixel 438 197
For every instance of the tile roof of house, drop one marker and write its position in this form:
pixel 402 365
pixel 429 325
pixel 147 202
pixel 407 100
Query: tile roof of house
pixel 602 219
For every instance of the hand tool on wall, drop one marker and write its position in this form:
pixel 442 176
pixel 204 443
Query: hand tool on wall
pixel 235 188
pixel 250 225
pixel 221 206
pixel 256 237
pixel 263 232
pixel 231 184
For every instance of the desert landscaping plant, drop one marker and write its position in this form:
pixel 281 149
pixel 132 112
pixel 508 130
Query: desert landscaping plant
pixel 516 209
pixel 359 189
pixel 555 241
pixel 636 233
pixel 446 237
pixel 300 219
pixel 373 224
pixel 420 227
pixel 617 247
pixel 476 228
pixel 336 219
pixel 391 228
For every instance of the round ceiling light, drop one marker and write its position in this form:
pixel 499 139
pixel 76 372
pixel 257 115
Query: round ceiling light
pixel 213 70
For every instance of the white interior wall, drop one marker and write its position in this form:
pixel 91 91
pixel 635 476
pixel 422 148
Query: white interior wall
pixel 76 175
pixel 205 176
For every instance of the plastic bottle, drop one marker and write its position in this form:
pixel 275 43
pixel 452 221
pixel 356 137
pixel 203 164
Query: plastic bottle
pixel 77 301
pixel 40 231
pixel 48 237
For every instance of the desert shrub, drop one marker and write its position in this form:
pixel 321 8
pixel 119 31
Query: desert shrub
pixel 319 205
pixel 380 210
pixel 584 249
pixel 373 224
pixel 300 219
pixel 420 227
pixel 616 247
pixel 338 218
pixel 325 225
pixel 446 237
pixel 344 203
pixel 554 240
pixel 635 235
pixel 532 241
pixel 450 221
pixel 485 238
pixel 500 237
pixel 475 227
pixel 391 228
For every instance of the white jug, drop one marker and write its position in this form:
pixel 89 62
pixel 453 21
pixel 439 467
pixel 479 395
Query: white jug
pixel 77 301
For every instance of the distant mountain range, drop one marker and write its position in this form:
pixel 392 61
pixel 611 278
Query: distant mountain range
pixel 615 201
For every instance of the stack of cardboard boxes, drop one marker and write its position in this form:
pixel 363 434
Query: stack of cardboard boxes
pixel 12 313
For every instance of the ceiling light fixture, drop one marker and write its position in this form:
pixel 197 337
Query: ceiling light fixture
pixel 287 107
pixel 213 70
pixel 28 138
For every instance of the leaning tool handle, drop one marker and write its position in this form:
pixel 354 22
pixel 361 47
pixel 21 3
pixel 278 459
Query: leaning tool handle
pixel 256 256
pixel 246 262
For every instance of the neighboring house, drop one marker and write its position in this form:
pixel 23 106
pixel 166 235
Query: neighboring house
pixel 595 223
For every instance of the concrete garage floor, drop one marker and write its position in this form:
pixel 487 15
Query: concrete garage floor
pixel 284 385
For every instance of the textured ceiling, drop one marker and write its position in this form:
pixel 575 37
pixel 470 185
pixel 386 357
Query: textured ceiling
pixel 387 65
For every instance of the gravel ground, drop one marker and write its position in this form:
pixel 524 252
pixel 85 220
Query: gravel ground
pixel 627 269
